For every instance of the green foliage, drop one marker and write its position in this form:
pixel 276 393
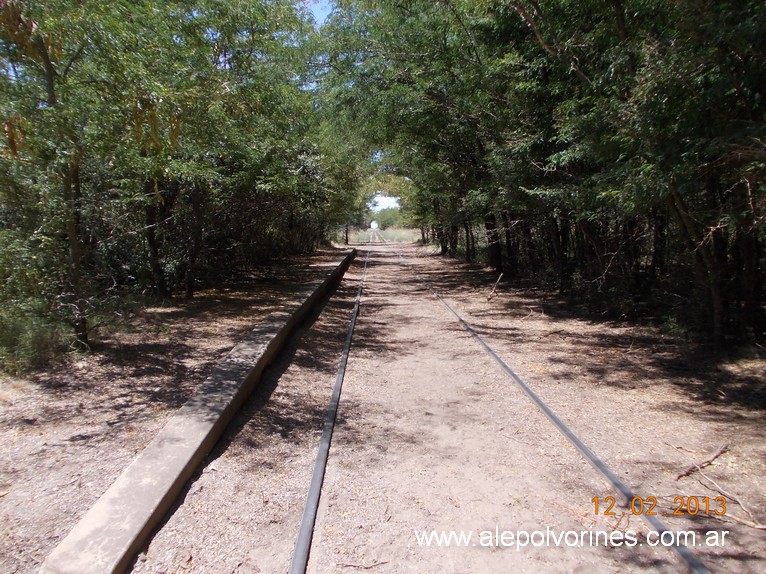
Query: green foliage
pixel 28 338
pixel 615 148
pixel 389 217
pixel 619 144
pixel 151 148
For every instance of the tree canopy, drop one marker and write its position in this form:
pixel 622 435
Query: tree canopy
pixel 615 149
pixel 151 146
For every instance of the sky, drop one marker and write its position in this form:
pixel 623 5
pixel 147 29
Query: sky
pixel 320 9
pixel 383 202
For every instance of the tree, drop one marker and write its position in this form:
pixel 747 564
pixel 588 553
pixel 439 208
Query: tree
pixel 612 148
pixel 151 147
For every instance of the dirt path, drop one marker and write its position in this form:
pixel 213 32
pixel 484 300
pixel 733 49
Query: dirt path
pixel 648 406
pixel 433 436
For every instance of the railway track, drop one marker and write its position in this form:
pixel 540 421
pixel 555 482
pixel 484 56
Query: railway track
pixel 319 545
pixel 303 544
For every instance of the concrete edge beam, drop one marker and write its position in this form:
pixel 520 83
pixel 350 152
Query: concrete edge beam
pixel 114 530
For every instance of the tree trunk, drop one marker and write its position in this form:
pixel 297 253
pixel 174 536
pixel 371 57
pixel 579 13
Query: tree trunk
pixel 559 248
pixel 73 200
pixel 441 236
pixel 494 249
pixel 453 239
pixel 531 256
pixel 155 262
pixel 659 247
pixel 563 254
pixel 470 242
pixel 591 249
pixel 622 33
pixel 72 193
pixel 632 252
pixel 750 251
pixel 581 251
pixel 553 244
pixel 511 260
pixel 196 241
pixel 706 264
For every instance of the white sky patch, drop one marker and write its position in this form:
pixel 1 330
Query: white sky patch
pixel 383 202
pixel 320 9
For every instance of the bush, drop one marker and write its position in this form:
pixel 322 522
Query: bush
pixel 389 217
pixel 27 339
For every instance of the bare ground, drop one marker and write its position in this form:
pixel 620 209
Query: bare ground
pixel 68 432
pixel 432 435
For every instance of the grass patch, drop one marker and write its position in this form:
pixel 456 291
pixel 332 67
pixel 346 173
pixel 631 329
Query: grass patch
pixel 360 236
pixel 400 235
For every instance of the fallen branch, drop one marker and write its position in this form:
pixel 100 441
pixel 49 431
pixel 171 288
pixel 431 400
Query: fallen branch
pixel 681 448
pixel 532 311
pixel 707 462
pixel 362 566
pixel 738 520
pixel 753 522
pixel 495 287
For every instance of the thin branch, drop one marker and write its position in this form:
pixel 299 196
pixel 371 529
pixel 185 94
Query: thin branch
pixel 601 279
pixel 14 69
pixel 455 13
pixel 48 67
pixel 738 520
pixel 531 23
pixel 556 51
pixel 752 523
pixel 725 493
pixel 362 566
pixel 707 462
pixel 494 289
pixel 73 59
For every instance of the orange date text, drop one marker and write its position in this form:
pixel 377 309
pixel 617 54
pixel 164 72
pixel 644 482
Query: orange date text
pixel 682 506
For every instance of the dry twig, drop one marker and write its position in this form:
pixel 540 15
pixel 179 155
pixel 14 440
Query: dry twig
pixel 752 523
pixel 683 448
pixel 707 462
pixel 362 566
pixel 532 312
pixel 738 520
pixel 494 288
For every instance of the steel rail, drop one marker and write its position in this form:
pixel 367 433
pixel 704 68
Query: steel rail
pixel 306 532
pixel 686 555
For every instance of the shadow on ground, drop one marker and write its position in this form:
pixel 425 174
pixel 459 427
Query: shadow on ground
pixel 157 358
pixel 705 380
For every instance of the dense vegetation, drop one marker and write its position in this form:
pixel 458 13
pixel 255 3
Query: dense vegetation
pixel 148 147
pixel 615 148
